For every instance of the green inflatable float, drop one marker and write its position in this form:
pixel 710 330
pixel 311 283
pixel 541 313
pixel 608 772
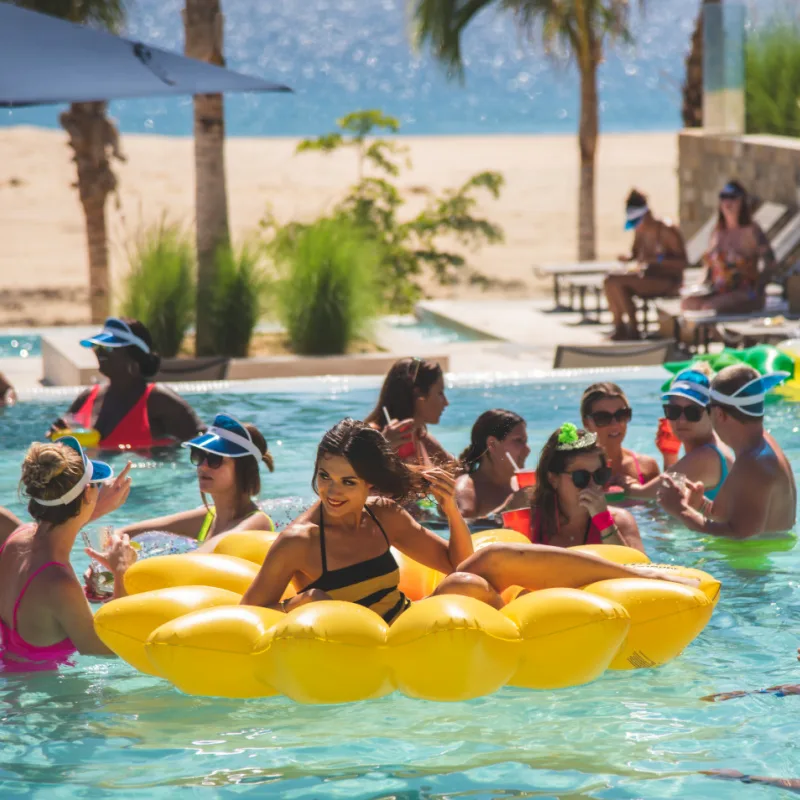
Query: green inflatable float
pixel 764 358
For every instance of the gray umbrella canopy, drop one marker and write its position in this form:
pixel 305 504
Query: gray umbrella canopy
pixel 47 60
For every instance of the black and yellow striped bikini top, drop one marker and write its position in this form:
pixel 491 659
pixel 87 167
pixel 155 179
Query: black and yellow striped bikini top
pixel 372 583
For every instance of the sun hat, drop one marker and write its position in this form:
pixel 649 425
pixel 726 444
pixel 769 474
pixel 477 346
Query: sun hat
pixel 226 437
pixel 116 333
pixel 93 472
pixel 691 385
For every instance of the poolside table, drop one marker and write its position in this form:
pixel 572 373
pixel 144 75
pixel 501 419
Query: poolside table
pixel 566 270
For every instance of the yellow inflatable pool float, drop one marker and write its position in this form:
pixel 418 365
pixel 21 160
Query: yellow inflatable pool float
pixel 182 621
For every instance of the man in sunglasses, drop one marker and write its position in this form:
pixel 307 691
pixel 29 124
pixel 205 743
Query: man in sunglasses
pixel 759 494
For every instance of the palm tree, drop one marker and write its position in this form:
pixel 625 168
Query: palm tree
pixel 203 23
pixel 94 141
pixel 578 27
pixel 693 84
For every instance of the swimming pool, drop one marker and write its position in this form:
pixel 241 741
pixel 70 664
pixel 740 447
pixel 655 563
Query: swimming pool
pixel 22 345
pixel 102 727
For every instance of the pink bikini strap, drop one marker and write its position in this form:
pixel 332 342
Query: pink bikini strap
pixel 27 584
pixel 639 472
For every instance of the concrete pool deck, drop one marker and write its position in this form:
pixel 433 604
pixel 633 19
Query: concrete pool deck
pixel 518 336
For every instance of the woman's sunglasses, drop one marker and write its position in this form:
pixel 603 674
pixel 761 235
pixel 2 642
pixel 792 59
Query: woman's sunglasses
pixel 693 413
pixel 582 477
pixel 101 349
pixel 604 418
pixel 198 456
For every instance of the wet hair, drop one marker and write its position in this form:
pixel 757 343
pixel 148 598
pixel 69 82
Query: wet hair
pixel 636 200
pixel 149 363
pixel 248 477
pixel 554 461
pixel 745 214
pixel 406 376
pixel 727 381
pixel 600 391
pixel 498 423
pixel 49 471
pixel 372 459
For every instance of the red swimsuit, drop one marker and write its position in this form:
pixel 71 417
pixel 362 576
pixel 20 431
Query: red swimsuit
pixel 133 430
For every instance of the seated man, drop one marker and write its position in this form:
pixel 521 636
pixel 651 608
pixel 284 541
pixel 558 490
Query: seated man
pixel 759 494
pixel 660 255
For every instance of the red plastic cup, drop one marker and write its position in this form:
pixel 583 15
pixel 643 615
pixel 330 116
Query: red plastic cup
pixel 518 520
pixel 407 449
pixel 526 478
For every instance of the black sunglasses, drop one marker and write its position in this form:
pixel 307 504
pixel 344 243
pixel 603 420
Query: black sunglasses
pixel 198 456
pixel 102 349
pixel 582 477
pixel 604 418
pixel 693 413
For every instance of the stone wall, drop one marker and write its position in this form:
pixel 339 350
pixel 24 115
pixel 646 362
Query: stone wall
pixel 768 167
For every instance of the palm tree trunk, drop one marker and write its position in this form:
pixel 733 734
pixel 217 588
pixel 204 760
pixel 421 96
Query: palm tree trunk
pixel 587 141
pixel 94 141
pixel 692 111
pixel 203 22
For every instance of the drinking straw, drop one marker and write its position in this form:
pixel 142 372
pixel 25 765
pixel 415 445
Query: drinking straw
pixel 387 415
pixel 513 463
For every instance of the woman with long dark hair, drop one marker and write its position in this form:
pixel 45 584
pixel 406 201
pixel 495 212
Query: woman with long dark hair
pixel 733 282
pixel 412 398
pixel 569 505
pixel 498 445
pixel 130 412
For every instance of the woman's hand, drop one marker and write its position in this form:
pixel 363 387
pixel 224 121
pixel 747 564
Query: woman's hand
pixel 118 557
pixel 631 485
pixel 671 497
pixel 695 494
pixel 593 500
pixel 399 432
pixel 112 495
pixel 443 488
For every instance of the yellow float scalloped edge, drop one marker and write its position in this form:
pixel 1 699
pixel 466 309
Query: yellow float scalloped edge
pixel 444 648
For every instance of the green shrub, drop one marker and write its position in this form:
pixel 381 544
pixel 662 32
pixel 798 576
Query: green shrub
pixel 237 298
pixel 159 289
pixel 326 292
pixel 772 82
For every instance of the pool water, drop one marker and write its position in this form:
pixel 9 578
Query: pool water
pixel 101 727
pixel 430 331
pixel 20 345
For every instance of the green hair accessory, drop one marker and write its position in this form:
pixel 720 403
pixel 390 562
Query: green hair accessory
pixel 569 438
pixel 567 433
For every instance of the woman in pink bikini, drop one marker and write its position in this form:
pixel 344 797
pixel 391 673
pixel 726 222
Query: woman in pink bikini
pixel 44 615
pixel 129 412
pixel 569 506
pixel 605 411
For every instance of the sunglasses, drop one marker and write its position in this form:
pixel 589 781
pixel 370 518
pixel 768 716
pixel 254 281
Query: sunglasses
pixel 604 418
pixel 692 413
pixel 101 349
pixel 198 456
pixel 582 477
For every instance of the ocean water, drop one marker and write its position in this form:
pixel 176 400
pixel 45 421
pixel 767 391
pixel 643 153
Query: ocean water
pixel 100 727
pixel 345 55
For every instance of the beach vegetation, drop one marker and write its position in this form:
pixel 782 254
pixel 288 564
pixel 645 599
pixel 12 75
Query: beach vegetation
pixel 95 145
pixel 578 31
pixel 326 290
pixel 159 289
pixel 772 79
pixel 238 299
pixel 412 246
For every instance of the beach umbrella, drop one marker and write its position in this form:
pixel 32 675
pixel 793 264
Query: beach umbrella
pixel 47 60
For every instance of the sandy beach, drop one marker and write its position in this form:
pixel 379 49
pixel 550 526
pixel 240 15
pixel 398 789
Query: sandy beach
pixel 43 265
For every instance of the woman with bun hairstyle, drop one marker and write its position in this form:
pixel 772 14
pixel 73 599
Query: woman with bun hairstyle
pixel 227 457
pixel 498 442
pixel 129 412
pixel 44 615
pixel 412 398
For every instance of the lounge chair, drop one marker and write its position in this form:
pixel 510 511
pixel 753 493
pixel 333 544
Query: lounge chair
pixel 768 216
pixel 785 243
pixel 633 354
